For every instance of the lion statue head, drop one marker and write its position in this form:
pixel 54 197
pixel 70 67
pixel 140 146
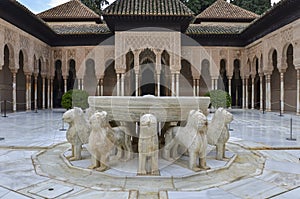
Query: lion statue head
pixel 218 125
pixel 98 120
pixel 77 122
pixel 196 119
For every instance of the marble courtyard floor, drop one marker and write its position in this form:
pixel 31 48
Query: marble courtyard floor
pixel 261 163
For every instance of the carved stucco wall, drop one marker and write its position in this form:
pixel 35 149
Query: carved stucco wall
pixel 18 40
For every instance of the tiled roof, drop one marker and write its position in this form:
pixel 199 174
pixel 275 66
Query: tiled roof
pixel 73 9
pixel 215 29
pixel 221 9
pixel 80 29
pixel 148 7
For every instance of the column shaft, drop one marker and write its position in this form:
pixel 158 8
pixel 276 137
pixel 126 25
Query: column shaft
pixel 173 84
pixel 118 84
pixel 43 92
pixel 158 84
pixel 14 85
pixel 122 84
pixel 282 91
pixel 252 97
pixel 27 92
pixel 136 84
pixel 35 92
pixel 48 93
pixel 51 93
pixel 298 91
pixel 177 84
pixel 261 92
pixel 247 93
pixel 194 86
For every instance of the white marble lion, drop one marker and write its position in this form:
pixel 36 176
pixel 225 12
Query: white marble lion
pixel 78 132
pixel 218 133
pixel 193 137
pixel 103 139
pixel 148 145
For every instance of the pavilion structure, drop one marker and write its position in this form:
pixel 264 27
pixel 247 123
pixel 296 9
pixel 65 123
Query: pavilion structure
pixel 139 47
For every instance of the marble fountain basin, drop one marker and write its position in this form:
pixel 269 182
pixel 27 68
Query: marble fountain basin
pixel 166 109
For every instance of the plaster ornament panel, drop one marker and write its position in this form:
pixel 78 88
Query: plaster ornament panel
pixel 109 53
pixel 287 35
pixel 24 42
pixel 57 54
pixel 142 40
pixel 10 36
pixel 89 53
pixel 223 53
pixel 71 54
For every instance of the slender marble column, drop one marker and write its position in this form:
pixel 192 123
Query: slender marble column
pixel 212 84
pixel 118 84
pixel 101 87
pixel 48 93
pixel 246 89
pixel 261 92
pixel 229 85
pixel 282 92
pixel 98 88
pixel 43 92
pixel 136 84
pixel 14 85
pixel 194 86
pixel 158 84
pixel 65 84
pixel 268 92
pixel 177 84
pixel 252 97
pixel 27 92
pixel 298 91
pixel 244 96
pixel 198 87
pixel 82 84
pixel 35 92
pixel 79 84
pixel 173 84
pixel 51 93
pixel 122 84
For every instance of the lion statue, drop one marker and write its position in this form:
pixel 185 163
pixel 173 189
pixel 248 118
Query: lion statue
pixel 103 139
pixel 193 137
pixel 148 145
pixel 217 133
pixel 78 132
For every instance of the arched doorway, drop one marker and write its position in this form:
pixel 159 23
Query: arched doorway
pixel 205 78
pixel 147 70
pixel 6 81
pixel 256 85
pixel 40 86
pixel 129 75
pixel 21 84
pixel 90 79
pixel 148 78
pixel 236 87
pixel 71 83
pixel 165 75
pixel 186 79
pixel 110 79
pixel 275 83
pixel 223 80
pixel 58 86
pixel 290 82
